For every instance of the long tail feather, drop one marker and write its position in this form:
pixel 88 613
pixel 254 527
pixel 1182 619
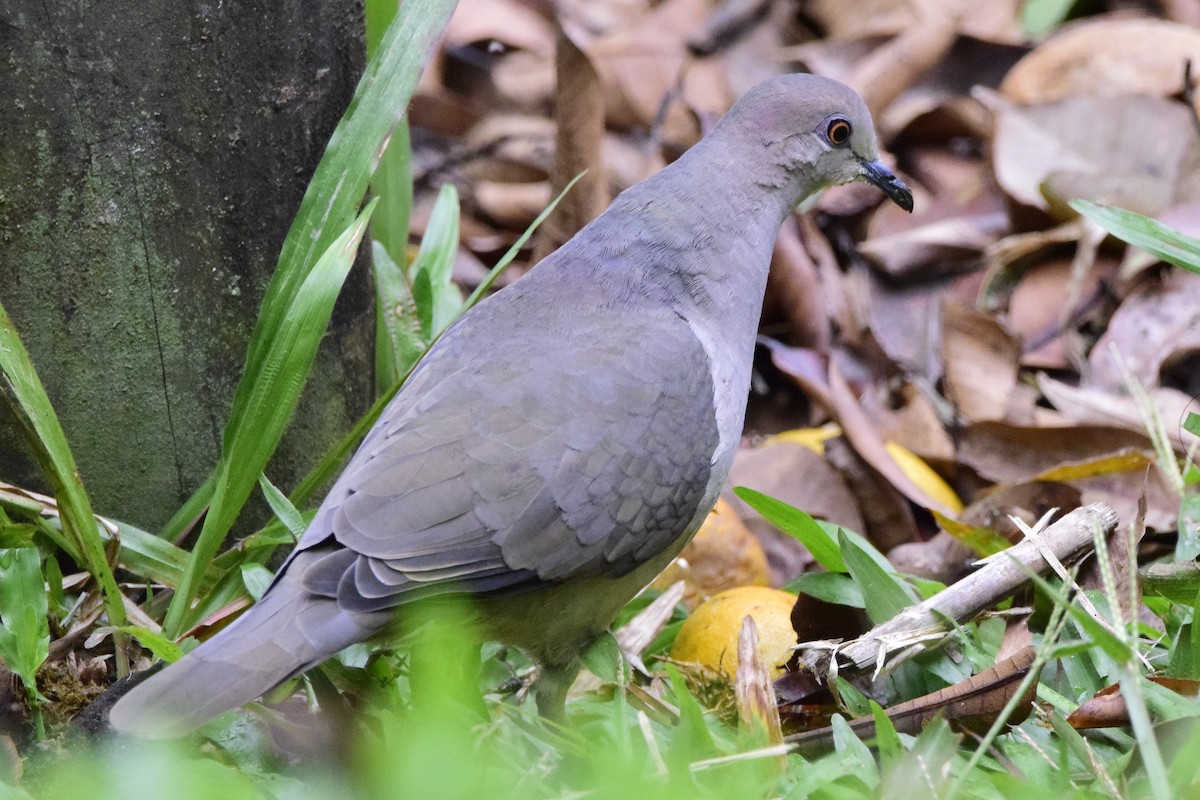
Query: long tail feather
pixel 286 632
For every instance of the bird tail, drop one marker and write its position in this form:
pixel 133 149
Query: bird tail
pixel 286 632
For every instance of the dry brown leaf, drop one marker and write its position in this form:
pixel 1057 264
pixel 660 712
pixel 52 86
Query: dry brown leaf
pixel 756 704
pixel 959 212
pixel 972 704
pixel 1155 328
pixel 512 205
pixel 1005 453
pixel 523 80
pixel 1036 305
pixel 1010 454
pixel 909 417
pixel 888 515
pixel 1105 57
pixel 805 367
pixel 515 148
pixel 640 64
pixel 979 363
pixel 891 69
pixel 995 21
pixel 940 246
pixel 794 292
pixel 1134 151
pixel 864 437
pixel 1108 709
pixel 1086 406
pixel 904 320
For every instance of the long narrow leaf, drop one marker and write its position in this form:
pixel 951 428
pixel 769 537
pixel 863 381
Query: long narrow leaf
pixel 399 339
pixel 438 300
pixel 884 594
pixel 23 390
pixel 795 522
pixel 341 178
pixel 486 284
pixel 252 437
pixel 1149 234
pixel 24 631
pixel 337 187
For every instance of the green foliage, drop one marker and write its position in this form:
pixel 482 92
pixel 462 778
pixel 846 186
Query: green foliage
pixel 23 392
pixel 1041 17
pixel 884 595
pixel 415 304
pixel 315 246
pixel 1141 231
pixel 24 629
pixel 253 434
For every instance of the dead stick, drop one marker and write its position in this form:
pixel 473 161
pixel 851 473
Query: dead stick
pixel 922 626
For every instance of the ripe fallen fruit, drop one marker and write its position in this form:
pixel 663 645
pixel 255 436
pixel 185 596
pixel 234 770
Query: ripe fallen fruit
pixel 710 634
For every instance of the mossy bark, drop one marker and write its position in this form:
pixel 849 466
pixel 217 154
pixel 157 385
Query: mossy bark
pixel 152 156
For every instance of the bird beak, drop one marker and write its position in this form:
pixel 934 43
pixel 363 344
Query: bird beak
pixel 885 179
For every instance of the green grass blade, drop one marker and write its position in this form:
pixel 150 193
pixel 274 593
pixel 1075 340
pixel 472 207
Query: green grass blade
pixel 24 393
pixel 1149 234
pixel 252 436
pixel 884 594
pixel 341 178
pixel 438 300
pixel 796 523
pixel 24 631
pixel 399 339
pixel 283 508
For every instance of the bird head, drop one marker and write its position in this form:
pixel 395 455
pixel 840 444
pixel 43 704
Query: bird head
pixel 816 132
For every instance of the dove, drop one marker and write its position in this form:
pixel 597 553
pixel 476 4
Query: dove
pixel 562 441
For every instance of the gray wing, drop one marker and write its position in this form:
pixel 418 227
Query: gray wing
pixel 524 459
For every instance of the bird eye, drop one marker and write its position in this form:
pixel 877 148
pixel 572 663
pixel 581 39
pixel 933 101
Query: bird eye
pixel 838 131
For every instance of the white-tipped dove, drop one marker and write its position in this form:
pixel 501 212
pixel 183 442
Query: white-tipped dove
pixel 564 439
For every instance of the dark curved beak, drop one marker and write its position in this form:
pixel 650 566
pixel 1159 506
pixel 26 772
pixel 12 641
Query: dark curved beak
pixel 885 179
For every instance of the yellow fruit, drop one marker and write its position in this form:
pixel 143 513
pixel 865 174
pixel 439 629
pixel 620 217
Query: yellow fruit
pixel 710 635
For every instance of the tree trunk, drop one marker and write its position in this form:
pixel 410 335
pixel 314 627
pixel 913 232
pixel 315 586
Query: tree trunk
pixel 152 156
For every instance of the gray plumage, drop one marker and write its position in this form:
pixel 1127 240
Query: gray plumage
pixel 562 441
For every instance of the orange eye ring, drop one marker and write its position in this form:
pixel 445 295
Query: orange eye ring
pixel 838 131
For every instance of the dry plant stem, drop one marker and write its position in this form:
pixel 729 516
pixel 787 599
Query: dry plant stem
pixel 918 627
pixel 756 702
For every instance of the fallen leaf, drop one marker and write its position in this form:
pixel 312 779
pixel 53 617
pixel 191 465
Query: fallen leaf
pixel 1109 710
pixel 1153 329
pixel 979 363
pixel 972 704
pixel 1105 57
pixel 1134 151
pixel 756 703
